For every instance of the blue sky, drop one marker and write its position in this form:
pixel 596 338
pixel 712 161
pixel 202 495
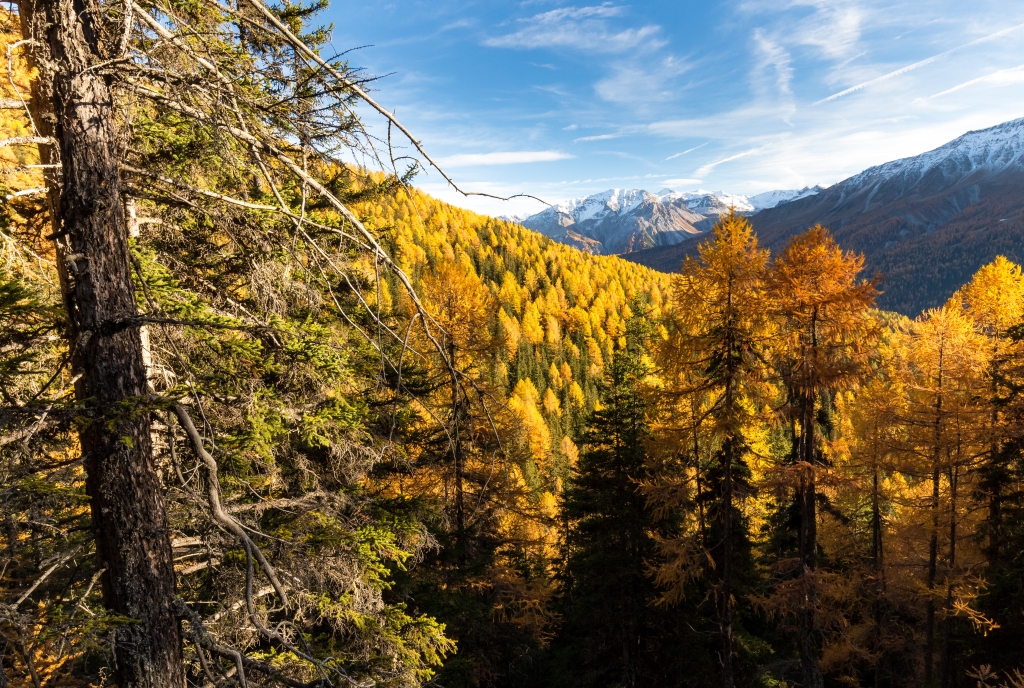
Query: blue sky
pixel 562 100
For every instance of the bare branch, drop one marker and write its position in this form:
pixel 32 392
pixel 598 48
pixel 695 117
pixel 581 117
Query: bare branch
pixel 27 192
pixel 213 493
pixel 61 560
pixel 25 141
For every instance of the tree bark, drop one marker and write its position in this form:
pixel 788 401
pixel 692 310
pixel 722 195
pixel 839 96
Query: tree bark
pixel 460 507
pixel 129 519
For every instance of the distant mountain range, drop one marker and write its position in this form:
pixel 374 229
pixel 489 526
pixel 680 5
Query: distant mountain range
pixel 627 220
pixel 925 223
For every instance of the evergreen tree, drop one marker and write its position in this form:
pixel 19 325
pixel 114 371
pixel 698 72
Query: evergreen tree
pixel 612 634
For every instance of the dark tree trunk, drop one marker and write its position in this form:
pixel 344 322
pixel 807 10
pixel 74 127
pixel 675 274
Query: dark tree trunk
pixel 933 543
pixel 808 515
pixel 808 547
pixel 724 601
pixel 128 516
pixel 946 661
pixel 996 476
pixel 929 611
pixel 725 593
pixel 877 565
pixel 877 553
pixel 460 507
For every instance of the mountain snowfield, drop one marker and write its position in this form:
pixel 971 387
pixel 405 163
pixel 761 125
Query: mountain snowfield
pixel 993 150
pixel 625 220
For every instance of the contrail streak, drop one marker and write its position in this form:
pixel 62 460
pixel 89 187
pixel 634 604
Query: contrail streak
pixel 710 166
pixel 917 65
pixel 672 157
pixel 980 79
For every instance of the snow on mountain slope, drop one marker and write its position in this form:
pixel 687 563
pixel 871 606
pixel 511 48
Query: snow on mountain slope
pixel 624 220
pixel 927 222
pixel 990 150
pixel 770 199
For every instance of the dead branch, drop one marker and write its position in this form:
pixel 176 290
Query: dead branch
pixel 216 509
pixel 61 560
pixel 25 141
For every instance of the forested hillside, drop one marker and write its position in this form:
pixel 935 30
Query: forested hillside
pixel 269 419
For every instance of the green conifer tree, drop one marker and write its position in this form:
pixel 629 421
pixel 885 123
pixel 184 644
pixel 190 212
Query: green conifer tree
pixel 613 634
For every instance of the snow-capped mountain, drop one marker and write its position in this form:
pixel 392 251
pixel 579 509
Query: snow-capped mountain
pixel 625 220
pixel 770 199
pixel 926 223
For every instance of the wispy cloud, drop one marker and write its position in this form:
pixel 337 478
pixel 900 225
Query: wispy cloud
pixel 772 57
pixel 504 158
pixel 641 81
pixel 599 137
pixel 1004 77
pixel 918 65
pixel 834 28
pixel 690 150
pixel 581 28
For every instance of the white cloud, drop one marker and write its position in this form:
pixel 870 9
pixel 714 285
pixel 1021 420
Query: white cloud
pixel 640 82
pixel 728 125
pixel 833 29
pixel 599 137
pixel 503 158
pixel 563 13
pixel 677 183
pixel 581 28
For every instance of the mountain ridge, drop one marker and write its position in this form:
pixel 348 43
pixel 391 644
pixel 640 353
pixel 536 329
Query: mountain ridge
pixel 618 221
pixel 924 222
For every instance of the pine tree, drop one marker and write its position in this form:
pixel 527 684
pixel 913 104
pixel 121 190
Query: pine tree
pixel 612 634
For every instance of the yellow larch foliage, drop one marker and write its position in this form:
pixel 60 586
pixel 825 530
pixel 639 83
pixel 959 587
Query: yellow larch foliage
pixel 509 295
pixel 552 331
pixel 551 403
pixel 555 377
pixel 569 450
pixel 995 296
pixel 532 330
pixel 509 330
pixel 576 395
pixel 523 403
